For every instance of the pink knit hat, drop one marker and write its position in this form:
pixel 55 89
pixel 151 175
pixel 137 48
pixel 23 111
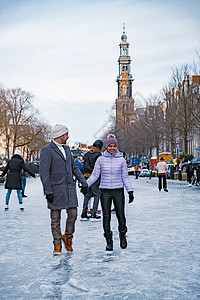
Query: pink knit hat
pixel 111 140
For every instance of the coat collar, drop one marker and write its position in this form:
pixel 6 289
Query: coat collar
pixel 56 149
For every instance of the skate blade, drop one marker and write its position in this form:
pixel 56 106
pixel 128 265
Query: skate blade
pixel 95 220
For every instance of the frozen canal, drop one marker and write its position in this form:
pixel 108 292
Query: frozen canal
pixel 162 260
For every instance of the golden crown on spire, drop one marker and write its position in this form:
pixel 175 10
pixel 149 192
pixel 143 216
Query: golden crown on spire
pixel 123 28
pixel 124 37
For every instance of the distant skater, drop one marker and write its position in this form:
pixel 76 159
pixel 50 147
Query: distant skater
pixel 112 168
pixel 190 173
pixel 13 170
pixel 161 168
pixel 136 171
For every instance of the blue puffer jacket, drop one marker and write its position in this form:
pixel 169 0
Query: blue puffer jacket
pixel 113 171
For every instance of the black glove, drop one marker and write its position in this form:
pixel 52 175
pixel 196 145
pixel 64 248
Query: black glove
pixel 131 197
pixel 84 190
pixel 50 198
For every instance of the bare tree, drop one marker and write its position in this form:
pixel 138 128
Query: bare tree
pixel 170 108
pixel 188 111
pixel 40 139
pixel 20 118
pixel 5 120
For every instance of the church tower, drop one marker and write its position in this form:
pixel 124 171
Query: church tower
pixel 124 102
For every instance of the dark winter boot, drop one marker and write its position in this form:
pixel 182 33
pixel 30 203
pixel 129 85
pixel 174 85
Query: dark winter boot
pixel 23 195
pixel 84 215
pixel 109 240
pixel 122 236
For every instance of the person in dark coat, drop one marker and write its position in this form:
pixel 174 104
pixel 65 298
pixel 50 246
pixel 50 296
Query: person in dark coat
pixel 13 180
pixel 57 169
pixel 89 160
pixel 198 174
pixel 190 172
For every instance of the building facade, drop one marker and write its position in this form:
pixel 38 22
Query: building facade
pixel 186 135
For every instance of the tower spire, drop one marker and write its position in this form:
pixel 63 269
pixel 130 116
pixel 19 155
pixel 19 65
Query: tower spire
pixel 124 102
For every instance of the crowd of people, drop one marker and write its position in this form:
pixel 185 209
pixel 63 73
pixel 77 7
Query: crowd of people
pixel 103 175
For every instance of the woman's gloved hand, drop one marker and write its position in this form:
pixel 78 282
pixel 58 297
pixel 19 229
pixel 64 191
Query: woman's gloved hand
pixel 131 197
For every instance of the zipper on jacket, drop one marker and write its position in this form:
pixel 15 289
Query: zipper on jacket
pixel 111 173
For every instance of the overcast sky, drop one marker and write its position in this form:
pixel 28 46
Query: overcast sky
pixel 66 53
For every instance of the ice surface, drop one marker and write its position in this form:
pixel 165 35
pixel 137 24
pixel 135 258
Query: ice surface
pixel 162 260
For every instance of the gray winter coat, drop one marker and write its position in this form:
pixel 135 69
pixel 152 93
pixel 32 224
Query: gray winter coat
pixel 56 174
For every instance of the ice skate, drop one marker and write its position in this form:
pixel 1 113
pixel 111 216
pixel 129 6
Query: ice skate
pixel 95 217
pixel 84 216
pixel 21 207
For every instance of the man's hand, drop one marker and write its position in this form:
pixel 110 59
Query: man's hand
pixel 84 190
pixel 131 197
pixel 50 198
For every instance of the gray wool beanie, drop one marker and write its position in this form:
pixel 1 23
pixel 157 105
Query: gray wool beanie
pixel 58 130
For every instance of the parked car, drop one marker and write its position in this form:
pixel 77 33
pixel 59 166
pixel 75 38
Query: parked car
pixel 34 166
pixel 144 172
pixel 195 162
pixel 77 153
pixel 166 155
pixel 131 169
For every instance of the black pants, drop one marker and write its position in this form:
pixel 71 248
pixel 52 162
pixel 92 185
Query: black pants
pixel 93 191
pixel 198 175
pixel 117 196
pixel 160 179
pixel 189 177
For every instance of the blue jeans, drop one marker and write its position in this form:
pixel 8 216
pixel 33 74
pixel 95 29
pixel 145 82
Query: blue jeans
pixel 23 183
pixel 19 196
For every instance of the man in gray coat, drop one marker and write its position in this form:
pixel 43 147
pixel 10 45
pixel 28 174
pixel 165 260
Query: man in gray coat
pixel 57 168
